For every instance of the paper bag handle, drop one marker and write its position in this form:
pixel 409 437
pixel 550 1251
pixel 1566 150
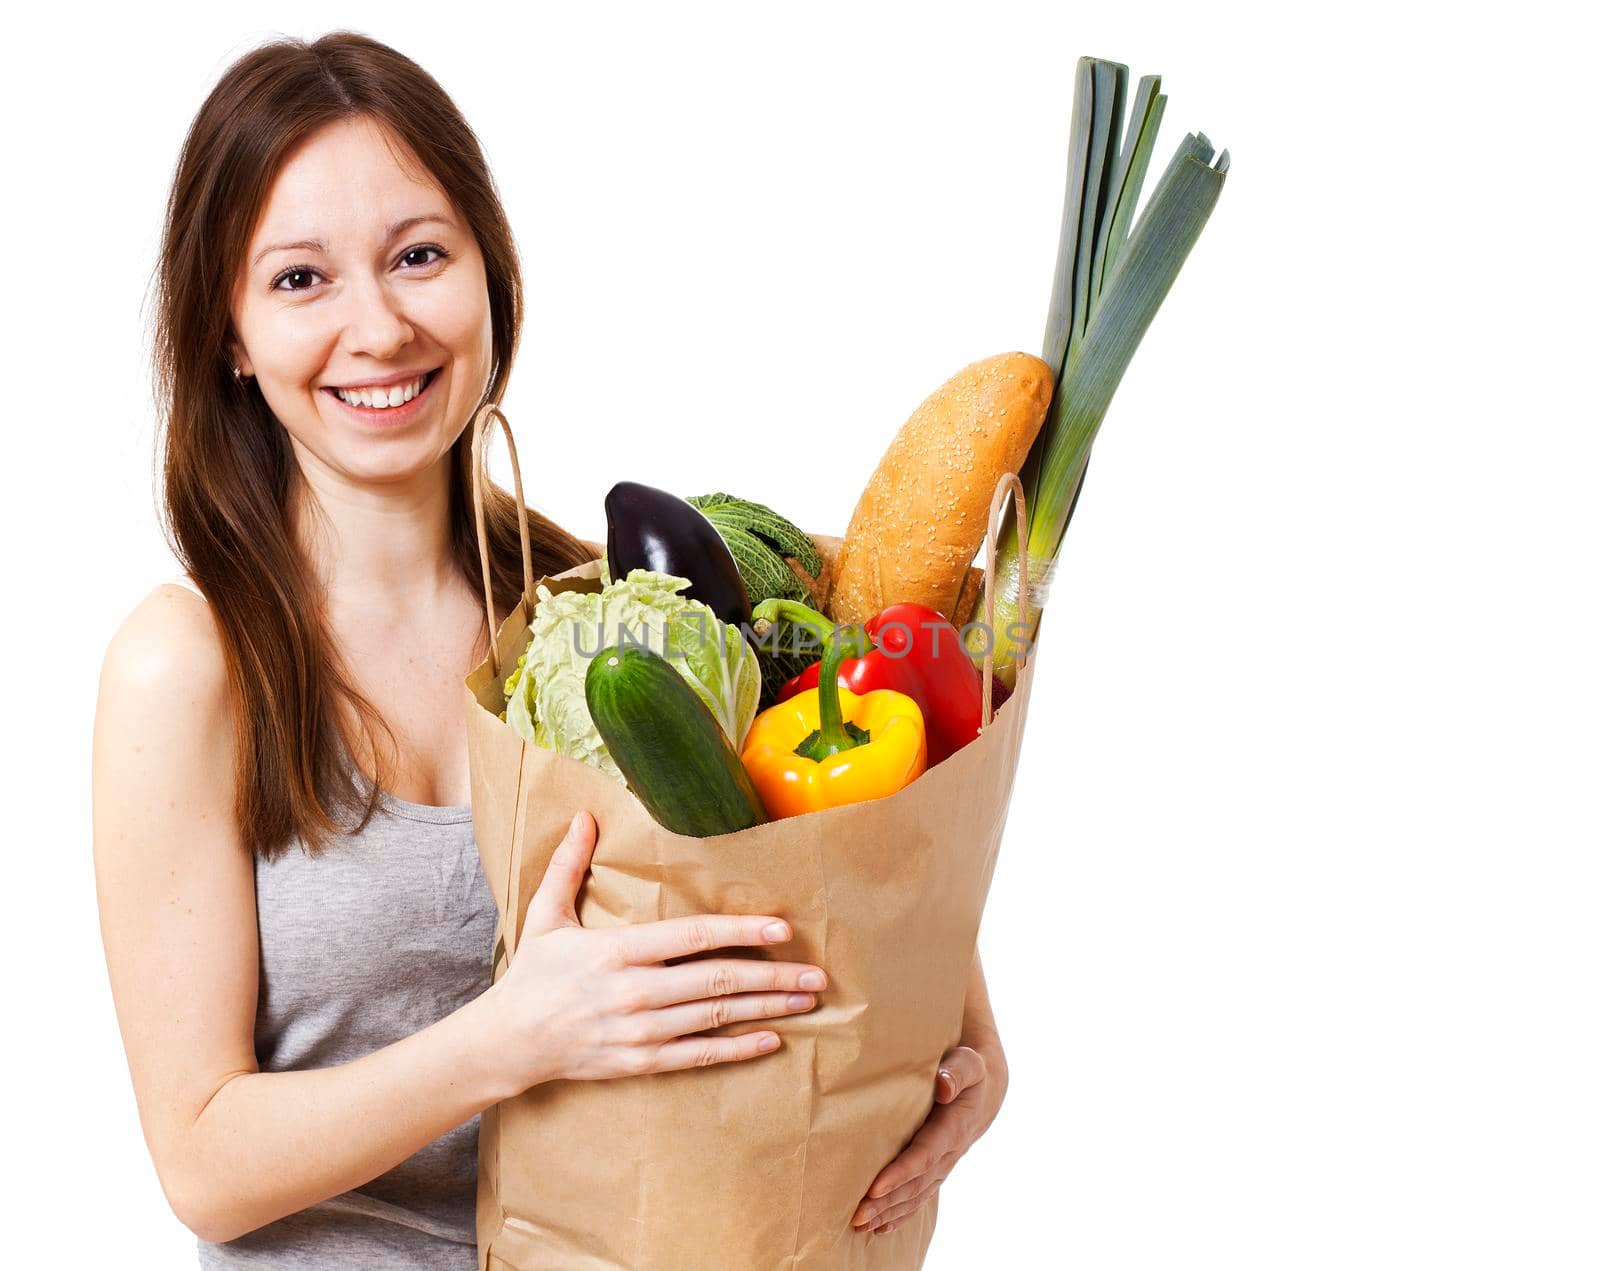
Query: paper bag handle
pixel 480 478
pixel 1007 484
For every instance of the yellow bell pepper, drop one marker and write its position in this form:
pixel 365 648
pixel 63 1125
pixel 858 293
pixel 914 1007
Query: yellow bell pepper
pixel 828 746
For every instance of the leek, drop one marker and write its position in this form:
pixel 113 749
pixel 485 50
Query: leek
pixel 1109 281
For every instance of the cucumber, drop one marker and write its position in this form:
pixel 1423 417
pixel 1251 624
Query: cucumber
pixel 676 757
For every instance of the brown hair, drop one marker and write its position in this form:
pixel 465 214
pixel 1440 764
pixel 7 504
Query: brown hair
pixel 226 463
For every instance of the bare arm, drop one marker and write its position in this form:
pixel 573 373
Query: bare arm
pixel 235 1148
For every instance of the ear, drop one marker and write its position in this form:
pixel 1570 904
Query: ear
pixel 239 359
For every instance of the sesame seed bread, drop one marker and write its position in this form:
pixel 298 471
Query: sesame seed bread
pixel 922 516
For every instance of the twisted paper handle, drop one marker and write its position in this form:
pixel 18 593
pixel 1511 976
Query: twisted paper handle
pixel 480 478
pixel 1008 483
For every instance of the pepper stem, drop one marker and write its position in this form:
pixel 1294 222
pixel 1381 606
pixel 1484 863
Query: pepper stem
pixel 778 609
pixel 833 734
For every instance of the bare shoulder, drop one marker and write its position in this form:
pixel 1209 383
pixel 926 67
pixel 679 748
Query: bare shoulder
pixel 163 727
pixel 167 654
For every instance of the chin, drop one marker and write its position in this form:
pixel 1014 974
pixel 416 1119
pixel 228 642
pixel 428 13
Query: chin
pixel 388 464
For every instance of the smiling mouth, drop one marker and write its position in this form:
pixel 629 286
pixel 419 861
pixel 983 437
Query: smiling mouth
pixel 392 397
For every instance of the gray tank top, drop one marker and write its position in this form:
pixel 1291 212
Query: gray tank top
pixel 384 933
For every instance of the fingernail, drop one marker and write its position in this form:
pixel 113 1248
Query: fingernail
pixel 799 1001
pixel 861 1220
pixel 776 932
pixel 812 980
pixel 768 1042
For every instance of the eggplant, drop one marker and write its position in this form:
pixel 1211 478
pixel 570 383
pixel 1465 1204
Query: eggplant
pixel 648 528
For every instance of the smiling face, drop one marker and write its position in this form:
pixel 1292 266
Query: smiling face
pixel 362 284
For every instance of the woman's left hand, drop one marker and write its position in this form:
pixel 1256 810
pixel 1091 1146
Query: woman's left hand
pixel 967 1094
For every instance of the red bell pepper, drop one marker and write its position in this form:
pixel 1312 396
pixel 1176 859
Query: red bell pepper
pixel 914 650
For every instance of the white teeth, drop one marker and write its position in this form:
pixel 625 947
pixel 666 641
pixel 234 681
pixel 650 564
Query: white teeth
pixel 382 398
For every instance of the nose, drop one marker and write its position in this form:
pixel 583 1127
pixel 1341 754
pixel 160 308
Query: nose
pixel 375 321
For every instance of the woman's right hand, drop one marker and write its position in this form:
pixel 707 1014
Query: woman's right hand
pixel 584 1005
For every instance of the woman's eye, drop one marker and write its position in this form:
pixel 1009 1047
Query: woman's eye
pixel 412 256
pixel 298 278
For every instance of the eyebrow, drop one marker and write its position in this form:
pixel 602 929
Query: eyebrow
pixel 317 245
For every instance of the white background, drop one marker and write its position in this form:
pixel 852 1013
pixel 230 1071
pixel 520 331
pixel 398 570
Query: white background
pixel 1293 937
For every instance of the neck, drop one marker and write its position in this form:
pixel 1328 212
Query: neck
pixel 376 549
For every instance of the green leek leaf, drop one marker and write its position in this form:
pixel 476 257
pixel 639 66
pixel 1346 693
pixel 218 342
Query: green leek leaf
pixel 1132 165
pixel 1108 283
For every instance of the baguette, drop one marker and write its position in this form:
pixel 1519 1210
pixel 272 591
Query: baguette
pixel 922 516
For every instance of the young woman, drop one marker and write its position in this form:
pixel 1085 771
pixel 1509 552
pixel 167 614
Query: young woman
pixel 296 923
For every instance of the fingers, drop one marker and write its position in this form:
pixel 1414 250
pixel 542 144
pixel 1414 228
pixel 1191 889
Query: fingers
pixel 553 905
pixel 650 942
pixel 655 987
pixel 894 1216
pixel 961 1068
pixel 946 1133
pixel 696 1017
pixel 703 1052
pixel 869 1212
pixel 875 1211
pixel 939 1135
pixel 905 1184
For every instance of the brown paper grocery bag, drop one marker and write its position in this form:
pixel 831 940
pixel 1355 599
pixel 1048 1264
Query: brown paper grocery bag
pixel 758 1164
